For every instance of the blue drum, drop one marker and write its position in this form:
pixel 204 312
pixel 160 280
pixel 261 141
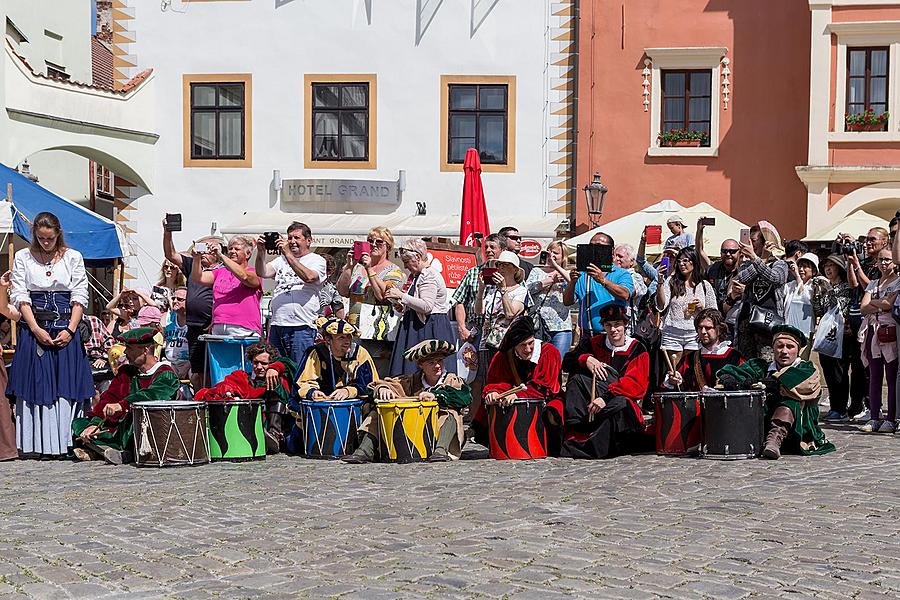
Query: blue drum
pixel 330 427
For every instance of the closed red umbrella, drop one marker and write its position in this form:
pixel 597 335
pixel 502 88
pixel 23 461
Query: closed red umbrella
pixel 474 211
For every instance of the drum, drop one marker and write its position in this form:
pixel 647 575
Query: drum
pixel 732 424
pixel 236 430
pixel 678 423
pixel 225 354
pixel 170 433
pixel 408 429
pixel 330 427
pixel 517 432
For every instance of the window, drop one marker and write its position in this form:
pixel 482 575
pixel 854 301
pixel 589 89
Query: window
pixel 340 121
pixel 340 118
pixel 56 71
pixel 867 80
pixel 477 119
pixel 217 120
pixel 103 180
pixel 687 98
pixel 478 112
pixel 685 88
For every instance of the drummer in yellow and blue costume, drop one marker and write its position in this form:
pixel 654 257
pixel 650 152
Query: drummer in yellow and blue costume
pixel 792 389
pixel 338 368
pixel 430 382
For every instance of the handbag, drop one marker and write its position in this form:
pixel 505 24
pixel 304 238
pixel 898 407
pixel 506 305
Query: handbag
pixel 764 318
pixel 378 323
pixel 541 329
pixel 829 338
pixel 886 334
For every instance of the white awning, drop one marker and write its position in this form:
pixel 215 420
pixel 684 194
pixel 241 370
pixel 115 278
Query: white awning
pixel 628 229
pixel 334 230
pixel 6 224
pixel 856 224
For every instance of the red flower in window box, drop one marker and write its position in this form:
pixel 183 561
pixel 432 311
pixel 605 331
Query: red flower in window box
pixel 682 138
pixel 866 121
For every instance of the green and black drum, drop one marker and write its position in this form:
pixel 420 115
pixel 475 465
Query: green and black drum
pixel 236 430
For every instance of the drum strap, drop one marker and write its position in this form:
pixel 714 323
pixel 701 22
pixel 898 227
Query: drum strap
pixel 145 447
pixel 698 371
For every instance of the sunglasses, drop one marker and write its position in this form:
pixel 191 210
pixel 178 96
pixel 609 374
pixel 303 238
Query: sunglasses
pixel 179 299
pixel 514 237
pixel 729 251
pixel 873 239
pixel 375 241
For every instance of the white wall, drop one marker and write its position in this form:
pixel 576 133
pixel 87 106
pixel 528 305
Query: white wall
pixel 70 19
pixel 63 173
pixel 278 45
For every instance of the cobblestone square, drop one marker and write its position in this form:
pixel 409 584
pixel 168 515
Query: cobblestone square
pixel 634 527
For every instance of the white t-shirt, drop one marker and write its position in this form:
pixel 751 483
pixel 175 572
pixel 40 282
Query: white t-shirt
pixel 295 302
pixel 176 339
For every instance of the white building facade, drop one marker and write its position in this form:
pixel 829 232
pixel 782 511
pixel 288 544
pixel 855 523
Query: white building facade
pixel 347 114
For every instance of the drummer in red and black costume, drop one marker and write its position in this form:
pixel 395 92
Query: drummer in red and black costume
pixel 714 354
pixel 609 425
pixel 522 359
pixel 107 429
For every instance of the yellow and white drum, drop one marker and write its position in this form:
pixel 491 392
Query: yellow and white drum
pixel 408 429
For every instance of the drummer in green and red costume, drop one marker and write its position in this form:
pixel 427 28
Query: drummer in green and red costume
pixel 430 382
pixel 792 389
pixel 107 430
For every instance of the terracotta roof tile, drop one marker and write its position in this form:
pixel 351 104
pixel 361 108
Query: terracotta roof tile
pixel 102 64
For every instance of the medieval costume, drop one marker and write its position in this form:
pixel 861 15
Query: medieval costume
pixel 614 429
pixel 7 421
pixel 323 372
pixel 244 385
pixel 792 399
pixel 540 373
pixel 130 385
pixel 698 369
pixel 451 393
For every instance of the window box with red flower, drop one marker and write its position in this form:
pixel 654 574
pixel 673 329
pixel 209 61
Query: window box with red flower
pixel 683 138
pixel 866 121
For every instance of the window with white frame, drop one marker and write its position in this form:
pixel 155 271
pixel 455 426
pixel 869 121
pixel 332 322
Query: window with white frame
pixel 866 105
pixel 683 96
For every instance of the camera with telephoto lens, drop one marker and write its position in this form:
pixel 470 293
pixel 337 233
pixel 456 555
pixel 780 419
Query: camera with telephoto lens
pixel 847 248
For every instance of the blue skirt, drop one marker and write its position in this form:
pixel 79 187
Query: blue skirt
pixel 57 373
pixel 412 331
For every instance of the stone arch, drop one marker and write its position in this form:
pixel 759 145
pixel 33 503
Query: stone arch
pixel 880 199
pixel 117 165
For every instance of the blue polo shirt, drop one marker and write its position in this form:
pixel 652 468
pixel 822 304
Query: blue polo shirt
pixel 598 297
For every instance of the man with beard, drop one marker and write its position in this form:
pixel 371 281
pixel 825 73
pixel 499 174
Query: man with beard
pixel 697 370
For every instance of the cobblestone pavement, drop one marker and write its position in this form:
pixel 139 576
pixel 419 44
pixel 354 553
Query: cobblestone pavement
pixel 634 527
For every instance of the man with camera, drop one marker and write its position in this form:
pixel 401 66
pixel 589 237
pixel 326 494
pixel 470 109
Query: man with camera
pixel 198 307
pixel 866 268
pixel 299 274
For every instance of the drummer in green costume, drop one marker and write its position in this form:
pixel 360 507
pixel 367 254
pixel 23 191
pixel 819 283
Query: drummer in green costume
pixel 792 388
pixel 107 430
pixel 429 382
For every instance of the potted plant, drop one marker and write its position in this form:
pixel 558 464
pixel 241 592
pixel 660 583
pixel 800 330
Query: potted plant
pixel 866 121
pixel 682 138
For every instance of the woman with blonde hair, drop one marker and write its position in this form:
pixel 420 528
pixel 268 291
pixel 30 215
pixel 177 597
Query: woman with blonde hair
pixel 365 281
pixel 170 278
pixel 546 285
pixel 423 302
pixel 237 289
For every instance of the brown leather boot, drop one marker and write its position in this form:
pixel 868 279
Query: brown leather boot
pixel 776 436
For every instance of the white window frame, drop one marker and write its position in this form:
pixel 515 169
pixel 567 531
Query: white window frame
pixel 866 34
pixel 665 59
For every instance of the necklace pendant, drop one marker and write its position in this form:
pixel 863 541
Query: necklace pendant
pixel 49 272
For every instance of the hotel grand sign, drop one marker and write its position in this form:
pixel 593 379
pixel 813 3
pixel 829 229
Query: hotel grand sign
pixel 341 191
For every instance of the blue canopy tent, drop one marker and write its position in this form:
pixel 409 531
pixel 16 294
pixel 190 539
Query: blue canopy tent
pixel 96 237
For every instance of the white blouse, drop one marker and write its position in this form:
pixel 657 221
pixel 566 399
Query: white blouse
pixel 66 275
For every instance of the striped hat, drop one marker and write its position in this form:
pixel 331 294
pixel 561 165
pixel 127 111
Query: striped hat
pixel 429 350
pixel 335 326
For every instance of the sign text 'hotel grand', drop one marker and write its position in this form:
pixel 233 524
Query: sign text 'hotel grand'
pixel 341 190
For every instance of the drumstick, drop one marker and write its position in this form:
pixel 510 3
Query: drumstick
pixel 671 367
pixel 519 388
pixel 593 394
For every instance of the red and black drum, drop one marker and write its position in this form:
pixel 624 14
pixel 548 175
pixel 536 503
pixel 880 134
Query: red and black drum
pixel 517 432
pixel 679 425
pixel 732 424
